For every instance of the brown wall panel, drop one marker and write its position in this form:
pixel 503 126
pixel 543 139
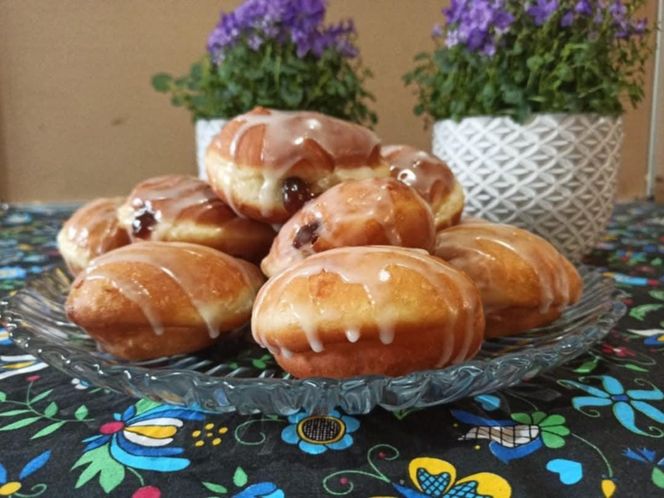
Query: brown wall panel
pixel 78 117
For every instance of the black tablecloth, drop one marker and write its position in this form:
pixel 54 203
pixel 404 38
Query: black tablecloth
pixel 591 428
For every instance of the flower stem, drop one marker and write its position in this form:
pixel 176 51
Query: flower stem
pixel 138 476
pixel 598 451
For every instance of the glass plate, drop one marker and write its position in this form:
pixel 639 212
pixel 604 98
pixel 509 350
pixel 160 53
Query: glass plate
pixel 241 376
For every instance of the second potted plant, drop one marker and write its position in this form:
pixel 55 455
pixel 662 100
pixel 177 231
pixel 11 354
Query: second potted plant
pixel 527 99
pixel 272 53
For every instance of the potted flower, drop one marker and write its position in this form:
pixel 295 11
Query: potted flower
pixel 272 53
pixel 527 99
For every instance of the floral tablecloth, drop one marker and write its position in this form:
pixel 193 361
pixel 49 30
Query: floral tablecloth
pixel 591 428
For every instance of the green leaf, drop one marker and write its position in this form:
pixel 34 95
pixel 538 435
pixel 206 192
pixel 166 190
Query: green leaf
pixel 658 477
pixel 162 82
pixel 19 424
pixel 522 418
pixel 260 364
pixel 99 462
pixel 640 312
pixel 240 477
pixel 554 419
pixel 81 412
pixel 111 476
pixel 636 368
pixel 215 488
pixel 11 413
pixel 539 416
pixel 587 366
pixel 144 405
pixel 41 396
pixel 3 396
pixel 551 440
pixel 49 429
pixel 561 430
pixel 657 294
pixel 51 409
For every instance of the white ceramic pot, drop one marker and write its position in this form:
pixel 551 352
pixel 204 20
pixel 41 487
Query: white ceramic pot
pixel 206 129
pixel 554 175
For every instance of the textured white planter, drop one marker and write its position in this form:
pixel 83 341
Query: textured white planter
pixel 206 129
pixel 554 175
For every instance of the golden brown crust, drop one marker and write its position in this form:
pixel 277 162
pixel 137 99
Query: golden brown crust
pixel 368 310
pixel 173 312
pixel 266 164
pixel 92 230
pixel 329 143
pixel 431 178
pixel 524 281
pixel 376 211
pixel 180 208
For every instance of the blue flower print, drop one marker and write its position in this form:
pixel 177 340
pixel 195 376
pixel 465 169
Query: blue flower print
pixel 12 272
pixel 261 490
pixel 316 434
pixel 12 488
pixel 622 402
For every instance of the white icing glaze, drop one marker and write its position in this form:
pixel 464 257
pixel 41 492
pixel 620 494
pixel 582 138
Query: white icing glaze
pixel 95 226
pixel 177 260
pixel 366 266
pixel 169 199
pixel 554 284
pixel 284 145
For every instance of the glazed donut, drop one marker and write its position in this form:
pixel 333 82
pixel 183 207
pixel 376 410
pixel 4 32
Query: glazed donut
pixel 153 299
pixel 375 211
pixel 524 281
pixel 368 310
pixel 178 208
pixel 266 164
pixel 431 178
pixel 92 230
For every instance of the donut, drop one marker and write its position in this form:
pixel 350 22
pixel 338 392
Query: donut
pixel 380 310
pixel 180 208
pixel 524 281
pixel 266 164
pixel 374 211
pixel 92 230
pixel 431 178
pixel 154 299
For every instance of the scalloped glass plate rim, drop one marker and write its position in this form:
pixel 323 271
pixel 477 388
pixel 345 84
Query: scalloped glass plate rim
pixel 328 393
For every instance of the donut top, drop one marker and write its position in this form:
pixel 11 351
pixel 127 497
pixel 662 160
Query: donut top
pixel 469 247
pixel 95 226
pixel 167 199
pixel 371 267
pixel 341 215
pixel 180 261
pixel 280 139
pixel 424 172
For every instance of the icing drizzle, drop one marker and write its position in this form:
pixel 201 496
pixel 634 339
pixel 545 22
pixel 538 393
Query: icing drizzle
pixel 180 261
pixel 369 268
pixel 167 200
pixel 464 247
pixel 95 226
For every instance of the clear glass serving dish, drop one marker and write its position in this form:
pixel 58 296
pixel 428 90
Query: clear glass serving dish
pixel 241 376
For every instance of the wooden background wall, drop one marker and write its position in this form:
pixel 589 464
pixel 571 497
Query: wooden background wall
pixel 78 117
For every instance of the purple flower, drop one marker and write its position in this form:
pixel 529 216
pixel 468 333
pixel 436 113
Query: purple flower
pixel 567 19
pixel 583 7
pixel 299 22
pixel 542 10
pixel 437 31
pixel 477 24
pixel 639 27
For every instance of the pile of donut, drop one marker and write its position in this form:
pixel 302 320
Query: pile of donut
pixel 370 268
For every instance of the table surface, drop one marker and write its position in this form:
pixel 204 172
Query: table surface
pixel 594 427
